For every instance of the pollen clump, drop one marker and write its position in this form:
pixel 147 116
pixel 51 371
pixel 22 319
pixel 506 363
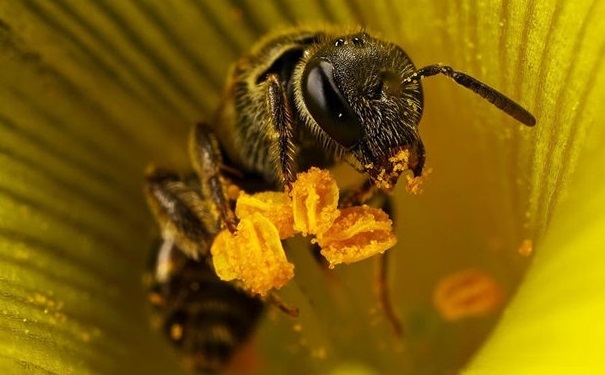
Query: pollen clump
pixel 358 233
pixel 314 201
pixel 400 160
pixel 275 206
pixel 399 163
pixel 253 255
pixel 414 184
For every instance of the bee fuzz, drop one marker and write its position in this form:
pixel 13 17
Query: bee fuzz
pixel 276 207
pixel 314 201
pixel 254 255
pixel 358 233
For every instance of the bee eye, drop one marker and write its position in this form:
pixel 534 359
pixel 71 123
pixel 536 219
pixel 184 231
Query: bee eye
pixel 327 105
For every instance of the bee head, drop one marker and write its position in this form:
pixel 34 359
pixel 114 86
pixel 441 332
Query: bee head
pixel 353 91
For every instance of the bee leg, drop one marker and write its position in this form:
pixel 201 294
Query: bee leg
pixel 359 196
pixel 182 214
pixel 271 297
pixel 384 295
pixel 281 113
pixel 276 301
pixel 366 192
pixel 207 161
pixel 382 282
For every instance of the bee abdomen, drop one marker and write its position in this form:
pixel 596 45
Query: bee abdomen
pixel 211 324
pixel 206 318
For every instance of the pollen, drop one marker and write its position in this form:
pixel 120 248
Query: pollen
pixel 176 332
pixel 254 255
pixel 414 184
pixel 233 191
pixel 275 206
pixel 399 162
pixel 400 159
pixel 358 233
pixel 314 201
pixel 382 181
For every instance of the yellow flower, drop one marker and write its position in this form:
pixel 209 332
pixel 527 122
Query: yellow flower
pixel 91 92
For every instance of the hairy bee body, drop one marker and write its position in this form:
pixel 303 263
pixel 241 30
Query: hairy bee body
pixel 301 98
pixel 206 318
pixel 246 125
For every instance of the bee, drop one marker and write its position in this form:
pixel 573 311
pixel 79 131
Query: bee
pixel 301 98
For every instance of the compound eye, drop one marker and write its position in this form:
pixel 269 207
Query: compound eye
pixel 327 105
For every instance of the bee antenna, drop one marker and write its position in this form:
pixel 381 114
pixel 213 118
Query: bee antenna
pixel 491 95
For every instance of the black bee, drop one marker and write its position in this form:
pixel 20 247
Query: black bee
pixel 302 98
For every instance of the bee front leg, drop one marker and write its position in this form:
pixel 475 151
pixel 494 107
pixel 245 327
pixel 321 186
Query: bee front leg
pixel 382 278
pixel 367 192
pixel 384 294
pixel 281 115
pixel 207 161
pixel 274 299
